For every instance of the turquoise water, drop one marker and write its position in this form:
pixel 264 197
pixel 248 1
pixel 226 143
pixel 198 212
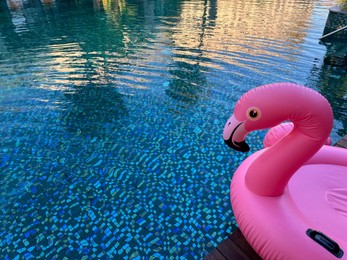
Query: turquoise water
pixel 111 117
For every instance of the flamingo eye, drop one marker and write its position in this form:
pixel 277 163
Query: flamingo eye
pixel 253 113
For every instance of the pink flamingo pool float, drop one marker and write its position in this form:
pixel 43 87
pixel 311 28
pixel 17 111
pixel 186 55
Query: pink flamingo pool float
pixel 290 198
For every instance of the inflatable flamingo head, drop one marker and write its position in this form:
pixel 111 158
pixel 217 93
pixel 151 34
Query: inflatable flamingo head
pixel 267 106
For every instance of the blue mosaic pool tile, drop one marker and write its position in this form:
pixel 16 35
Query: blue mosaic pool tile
pixel 81 195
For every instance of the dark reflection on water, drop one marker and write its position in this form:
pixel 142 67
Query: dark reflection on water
pixel 186 82
pixel 330 79
pixel 188 78
pixel 93 109
pixel 103 44
pixel 333 85
pixel 111 116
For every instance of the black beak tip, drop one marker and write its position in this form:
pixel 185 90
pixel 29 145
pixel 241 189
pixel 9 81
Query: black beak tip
pixel 238 146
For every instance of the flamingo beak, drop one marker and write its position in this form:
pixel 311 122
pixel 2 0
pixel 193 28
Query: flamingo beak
pixel 234 135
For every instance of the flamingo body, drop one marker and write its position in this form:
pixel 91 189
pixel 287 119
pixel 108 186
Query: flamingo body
pixel 290 198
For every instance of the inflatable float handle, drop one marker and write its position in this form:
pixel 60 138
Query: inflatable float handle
pixel 325 242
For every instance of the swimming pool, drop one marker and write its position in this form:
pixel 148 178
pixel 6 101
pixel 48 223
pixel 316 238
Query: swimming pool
pixel 111 117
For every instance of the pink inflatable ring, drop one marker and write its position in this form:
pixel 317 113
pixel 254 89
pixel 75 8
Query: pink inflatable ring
pixel 289 199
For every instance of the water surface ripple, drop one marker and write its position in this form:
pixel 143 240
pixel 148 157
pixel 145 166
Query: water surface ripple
pixel 111 116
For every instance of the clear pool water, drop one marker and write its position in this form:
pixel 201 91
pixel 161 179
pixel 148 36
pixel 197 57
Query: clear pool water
pixel 111 116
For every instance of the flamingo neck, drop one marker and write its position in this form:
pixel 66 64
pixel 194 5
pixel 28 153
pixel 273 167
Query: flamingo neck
pixel 270 172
